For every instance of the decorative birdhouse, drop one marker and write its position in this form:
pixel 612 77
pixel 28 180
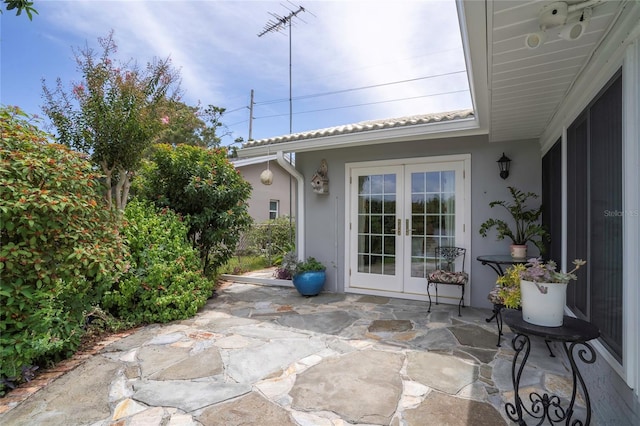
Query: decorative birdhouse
pixel 320 180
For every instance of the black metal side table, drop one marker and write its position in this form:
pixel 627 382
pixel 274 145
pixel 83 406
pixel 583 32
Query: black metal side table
pixel 495 262
pixel 574 335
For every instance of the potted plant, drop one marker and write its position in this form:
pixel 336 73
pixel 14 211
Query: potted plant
pixel 525 220
pixel 539 288
pixel 308 276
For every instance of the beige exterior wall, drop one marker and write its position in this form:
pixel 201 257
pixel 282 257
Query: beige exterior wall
pixel 261 194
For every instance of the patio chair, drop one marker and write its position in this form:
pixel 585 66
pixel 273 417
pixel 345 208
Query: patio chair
pixel 447 275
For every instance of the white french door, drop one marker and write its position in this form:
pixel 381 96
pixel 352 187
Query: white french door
pixel 398 214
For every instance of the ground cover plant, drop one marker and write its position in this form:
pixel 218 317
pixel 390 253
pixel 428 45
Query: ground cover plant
pixel 59 247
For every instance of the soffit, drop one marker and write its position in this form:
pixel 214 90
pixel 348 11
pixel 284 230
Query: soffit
pixel 527 86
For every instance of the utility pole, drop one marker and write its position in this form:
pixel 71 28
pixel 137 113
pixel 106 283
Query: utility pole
pixel 251 115
pixel 276 25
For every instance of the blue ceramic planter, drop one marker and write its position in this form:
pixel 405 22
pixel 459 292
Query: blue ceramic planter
pixel 309 283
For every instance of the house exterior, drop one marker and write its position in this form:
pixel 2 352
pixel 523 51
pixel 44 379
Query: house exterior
pixel 267 201
pixel 567 113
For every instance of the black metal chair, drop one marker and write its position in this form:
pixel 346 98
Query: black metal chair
pixel 446 274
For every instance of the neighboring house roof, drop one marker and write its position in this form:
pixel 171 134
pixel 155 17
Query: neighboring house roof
pixel 250 161
pixel 366 132
pixel 243 162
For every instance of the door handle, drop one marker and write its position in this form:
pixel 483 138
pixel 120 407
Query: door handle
pixel 408 229
pixel 399 228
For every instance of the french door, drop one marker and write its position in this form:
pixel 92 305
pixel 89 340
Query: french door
pixel 398 215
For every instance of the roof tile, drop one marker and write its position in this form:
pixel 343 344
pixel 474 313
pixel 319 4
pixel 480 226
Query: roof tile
pixel 365 126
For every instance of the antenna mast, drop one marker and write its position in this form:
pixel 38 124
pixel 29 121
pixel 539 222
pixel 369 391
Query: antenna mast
pixel 277 24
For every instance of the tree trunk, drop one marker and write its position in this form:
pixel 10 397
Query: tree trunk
pixel 125 191
pixel 122 189
pixel 107 172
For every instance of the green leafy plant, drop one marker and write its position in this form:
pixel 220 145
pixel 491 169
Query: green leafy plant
pixel 525 221
pixel 291 266
pixel 311 264
pixel 60 249
pixel 165 282
pixel 204 187
pixel 272 238
pixel 19 6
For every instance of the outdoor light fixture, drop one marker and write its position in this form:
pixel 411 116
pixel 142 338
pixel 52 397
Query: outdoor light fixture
pixel 571 20
pixel 504 163
pixel 535 40
pixel 576 25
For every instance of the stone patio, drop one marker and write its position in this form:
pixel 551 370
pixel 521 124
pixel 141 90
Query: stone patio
pixel 263 355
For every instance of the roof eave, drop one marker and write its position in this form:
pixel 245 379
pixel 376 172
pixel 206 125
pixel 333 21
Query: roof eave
pixel 460 127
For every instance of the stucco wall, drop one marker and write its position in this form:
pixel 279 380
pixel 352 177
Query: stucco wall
pixel 262 194
pixel 325 214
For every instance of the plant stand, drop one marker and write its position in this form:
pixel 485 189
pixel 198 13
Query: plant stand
pixel 574 333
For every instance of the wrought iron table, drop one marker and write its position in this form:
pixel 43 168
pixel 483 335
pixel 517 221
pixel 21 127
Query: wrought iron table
pixel 495 262
pixel 574 333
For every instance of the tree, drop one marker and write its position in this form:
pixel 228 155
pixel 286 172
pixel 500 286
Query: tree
pixel 192 125
pixel 19 6
pixel 204 187
pixel 182 124
pixel 211 136
pixel 114 114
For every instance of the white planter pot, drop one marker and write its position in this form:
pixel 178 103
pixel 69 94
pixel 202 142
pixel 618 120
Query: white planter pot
pixel 546 309
pixel 518 251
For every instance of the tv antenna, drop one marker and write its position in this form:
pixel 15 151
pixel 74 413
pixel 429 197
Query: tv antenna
pixel 279 23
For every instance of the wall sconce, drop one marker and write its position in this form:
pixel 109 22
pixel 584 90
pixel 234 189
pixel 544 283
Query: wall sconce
pixel 504 163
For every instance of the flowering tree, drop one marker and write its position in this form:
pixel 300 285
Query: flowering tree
pixel 192 125
pixel 114 113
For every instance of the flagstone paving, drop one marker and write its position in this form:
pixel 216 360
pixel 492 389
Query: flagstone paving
pixel 263 355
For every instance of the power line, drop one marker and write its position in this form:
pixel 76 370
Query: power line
pixel 366 104
pixel 373 86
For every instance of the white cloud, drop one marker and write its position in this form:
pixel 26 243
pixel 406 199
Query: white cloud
pixel 337 45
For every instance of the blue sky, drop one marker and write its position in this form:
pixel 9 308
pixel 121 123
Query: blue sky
pixel 351 60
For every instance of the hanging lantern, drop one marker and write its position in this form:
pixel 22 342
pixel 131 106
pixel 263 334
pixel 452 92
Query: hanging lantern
pixel 266 177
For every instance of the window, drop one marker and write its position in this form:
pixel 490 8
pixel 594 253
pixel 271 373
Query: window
pixel 594 213
pixel 274 208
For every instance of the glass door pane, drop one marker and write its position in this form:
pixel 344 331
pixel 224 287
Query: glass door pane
pixel 432 217
pixel 377 224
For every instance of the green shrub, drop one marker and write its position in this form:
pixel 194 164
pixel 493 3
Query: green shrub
pixel 272 238
pixel 164 282
pixel 59 246
pixel 203 186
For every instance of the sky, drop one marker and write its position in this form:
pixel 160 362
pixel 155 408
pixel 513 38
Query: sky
pixel 350 60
